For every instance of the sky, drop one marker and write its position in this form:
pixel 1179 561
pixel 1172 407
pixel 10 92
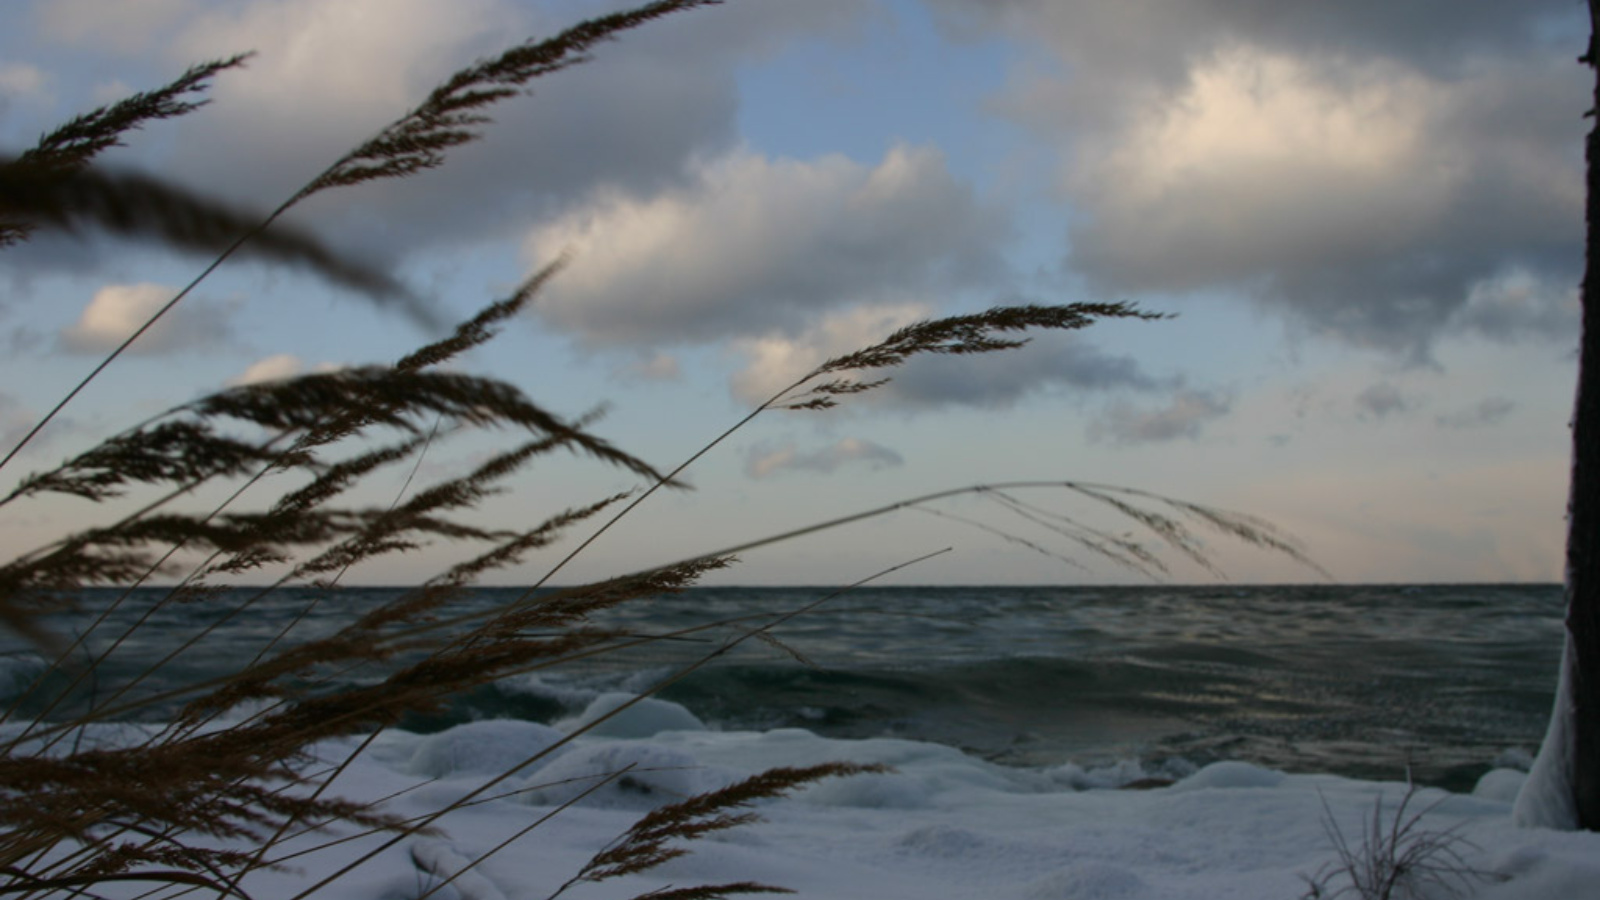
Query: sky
pixel 1365 218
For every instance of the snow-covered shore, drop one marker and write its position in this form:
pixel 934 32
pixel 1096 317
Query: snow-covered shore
pixel 940 825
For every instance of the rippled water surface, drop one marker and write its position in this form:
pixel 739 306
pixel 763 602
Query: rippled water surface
pixel 1361 680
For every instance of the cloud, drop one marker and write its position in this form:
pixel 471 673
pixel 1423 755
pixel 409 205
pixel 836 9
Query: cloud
pixel 765 461
pixel 1488 411
pixel 15 420
pixel 1184 417
pixel 275 368
pixel 127 25
pixel 657 366
pixel 1157 38
pixel 1519 304
pixel 22 82
pixel 19 79
pixel 775 360
pixel 1361 169
pixel 1381 401
pixel 327 76
pixel 1051 362
pixel 753 245
pixel 1062 363
pixel 118 310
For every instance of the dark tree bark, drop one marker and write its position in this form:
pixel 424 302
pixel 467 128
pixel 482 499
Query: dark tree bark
pixel 1583 505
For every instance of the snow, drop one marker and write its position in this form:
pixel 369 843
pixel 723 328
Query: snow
pixel 1545 800
pixel 940 825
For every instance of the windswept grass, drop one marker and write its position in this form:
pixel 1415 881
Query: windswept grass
pixel 174 805
pixel 1398 857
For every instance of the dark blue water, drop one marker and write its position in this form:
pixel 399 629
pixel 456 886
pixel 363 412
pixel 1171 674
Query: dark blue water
pixel 1362 681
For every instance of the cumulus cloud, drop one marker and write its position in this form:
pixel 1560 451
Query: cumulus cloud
pixel 1488 411
pixel 765 461
pixel 775 360
pixel 118 310
pixel 1051 362
pixel 1360 168
pixel 276 368
pixel 326 76
pixel 755 244
pixel 1184 416
pixel 1382 400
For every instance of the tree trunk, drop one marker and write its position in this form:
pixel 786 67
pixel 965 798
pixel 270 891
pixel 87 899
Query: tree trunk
pixel 1583 505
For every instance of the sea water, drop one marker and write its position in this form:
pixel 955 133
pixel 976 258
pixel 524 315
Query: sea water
pixel 1442 681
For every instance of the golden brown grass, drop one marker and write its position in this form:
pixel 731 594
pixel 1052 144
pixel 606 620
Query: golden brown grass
pixel 163 808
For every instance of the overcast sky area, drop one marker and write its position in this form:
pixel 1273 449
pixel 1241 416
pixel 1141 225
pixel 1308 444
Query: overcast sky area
pixel 1366 217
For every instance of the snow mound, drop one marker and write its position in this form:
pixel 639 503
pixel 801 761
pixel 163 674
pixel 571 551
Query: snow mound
pixel 486 748
pixel 646 718
pixel 1230 774
pixel 641 776
pixel 1501 785
pixel 1091 879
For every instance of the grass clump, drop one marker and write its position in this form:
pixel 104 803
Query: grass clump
pixel 225 771
pixel 1397 857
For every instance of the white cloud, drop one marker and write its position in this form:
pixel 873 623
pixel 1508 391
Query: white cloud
pixel 765 461
pixel 21 80
pixel 118 310
pixel 271 368
pixel 774 361
pixel 1363 171
pixel 755 244
pixel 109 92
pixel 1184 417
pixel 1262 161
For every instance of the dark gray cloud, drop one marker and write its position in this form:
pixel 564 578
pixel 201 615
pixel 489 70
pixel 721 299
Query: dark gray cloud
pixel 1363 168
pixel 1159 38
pixel 326 78
pixel 767 460
pixel 1382 400
pixel 1520 306
pixel 1183 416
pixel 1488 411
pixel 1068 365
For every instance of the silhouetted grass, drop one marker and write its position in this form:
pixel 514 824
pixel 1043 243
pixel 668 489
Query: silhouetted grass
pixel 171 805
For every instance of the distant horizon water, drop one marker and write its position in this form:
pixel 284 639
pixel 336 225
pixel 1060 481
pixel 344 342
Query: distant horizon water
pixel 1367 681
